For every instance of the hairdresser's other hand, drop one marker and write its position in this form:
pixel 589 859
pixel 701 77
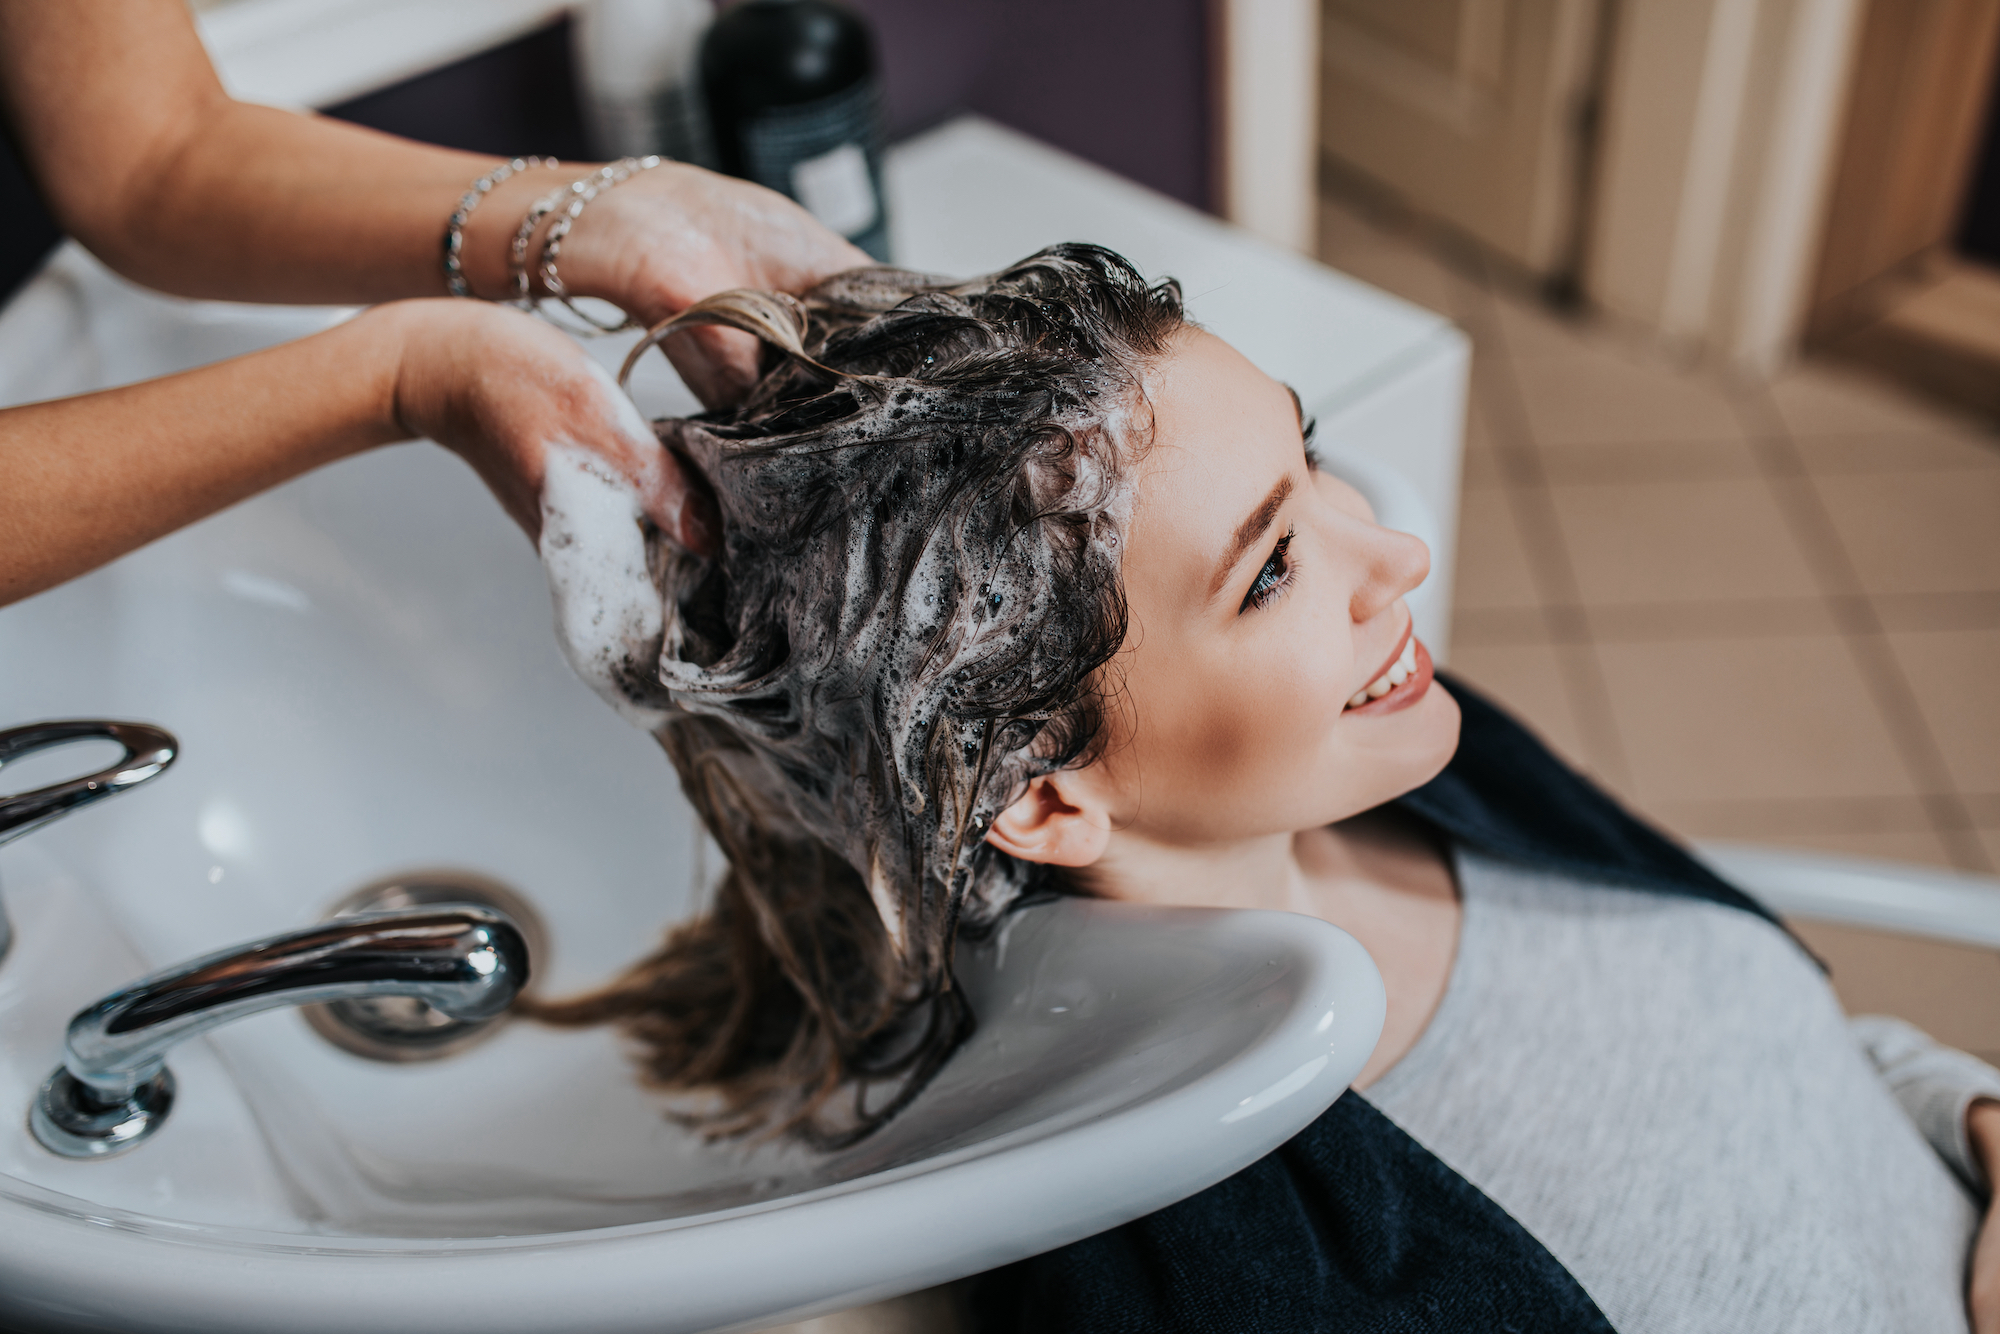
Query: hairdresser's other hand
pixel 499 388
pixel 673 235
pixel 1982 1128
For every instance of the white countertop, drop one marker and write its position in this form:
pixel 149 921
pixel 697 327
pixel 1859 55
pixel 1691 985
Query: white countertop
pixel 972 196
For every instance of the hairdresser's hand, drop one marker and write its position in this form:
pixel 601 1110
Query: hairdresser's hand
pixel 673 235
pixel 499 388
pixel 1982 1127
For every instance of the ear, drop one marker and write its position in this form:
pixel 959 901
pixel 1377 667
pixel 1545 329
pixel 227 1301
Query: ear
pixel 1053 822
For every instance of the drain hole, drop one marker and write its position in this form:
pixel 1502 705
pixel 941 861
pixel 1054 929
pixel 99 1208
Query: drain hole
pixel 403 1028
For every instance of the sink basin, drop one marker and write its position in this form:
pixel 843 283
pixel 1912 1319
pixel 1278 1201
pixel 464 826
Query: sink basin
pixel 362 674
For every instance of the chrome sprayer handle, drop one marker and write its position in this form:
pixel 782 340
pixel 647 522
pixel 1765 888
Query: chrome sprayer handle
pixel 148 752
pixel 113 1088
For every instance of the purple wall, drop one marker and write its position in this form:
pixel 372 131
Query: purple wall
pixel 518 98
pixel 1124 83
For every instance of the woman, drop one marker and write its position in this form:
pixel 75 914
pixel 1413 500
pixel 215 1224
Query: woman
pixel 1027 585
pixel 146 161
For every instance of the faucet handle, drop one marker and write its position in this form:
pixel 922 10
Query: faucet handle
pixel 148 752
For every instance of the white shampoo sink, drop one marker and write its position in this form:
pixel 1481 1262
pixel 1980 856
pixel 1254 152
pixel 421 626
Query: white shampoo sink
pixel 362 674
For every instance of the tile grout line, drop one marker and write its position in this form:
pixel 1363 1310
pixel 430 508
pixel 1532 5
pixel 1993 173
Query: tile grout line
pixel 1527 490
pixel 1529 472
pixel 1861 630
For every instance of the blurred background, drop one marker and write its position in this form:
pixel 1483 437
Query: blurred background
pixel 1729 535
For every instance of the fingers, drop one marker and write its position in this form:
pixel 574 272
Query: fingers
pixel 665 240
pixel 670 494
pixel 506 392
pixel 684 509
pixel 846 255
pixel 608 613
pixel 719 366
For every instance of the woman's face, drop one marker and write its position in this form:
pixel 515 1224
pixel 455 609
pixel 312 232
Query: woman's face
pixel 1267 611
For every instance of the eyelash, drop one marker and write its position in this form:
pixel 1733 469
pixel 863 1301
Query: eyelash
pixel 1268 587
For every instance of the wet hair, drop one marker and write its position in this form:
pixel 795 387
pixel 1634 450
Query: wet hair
pixel 924 502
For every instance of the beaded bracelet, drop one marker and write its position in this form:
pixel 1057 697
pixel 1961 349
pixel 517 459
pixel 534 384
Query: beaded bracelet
pixel 454 228
pixel 517 252
pixel 582 192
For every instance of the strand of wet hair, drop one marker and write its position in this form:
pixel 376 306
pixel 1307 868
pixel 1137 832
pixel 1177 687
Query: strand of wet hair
pixel 777 318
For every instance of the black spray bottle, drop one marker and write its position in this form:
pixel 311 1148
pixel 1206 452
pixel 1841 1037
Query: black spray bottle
pixel 794 103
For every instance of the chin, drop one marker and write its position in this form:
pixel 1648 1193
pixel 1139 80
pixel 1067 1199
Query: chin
pixel 1410 748
pixel 1441 731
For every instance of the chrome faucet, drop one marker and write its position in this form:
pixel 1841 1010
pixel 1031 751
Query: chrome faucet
pixel 148 752
pixel 113 1088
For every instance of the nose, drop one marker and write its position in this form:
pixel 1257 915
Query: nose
pixel 1392 564
pixel 1387 562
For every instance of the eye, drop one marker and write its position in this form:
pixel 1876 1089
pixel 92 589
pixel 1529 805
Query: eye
pixel 1274 578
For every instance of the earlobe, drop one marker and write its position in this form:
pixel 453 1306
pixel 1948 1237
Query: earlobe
pixel 1048 826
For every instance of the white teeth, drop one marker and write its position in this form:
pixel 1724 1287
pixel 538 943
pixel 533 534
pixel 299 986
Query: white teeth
pixel 1399 671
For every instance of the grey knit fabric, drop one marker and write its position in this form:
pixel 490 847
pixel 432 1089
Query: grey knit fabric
pixel 1935 1085
pixel 1666 1093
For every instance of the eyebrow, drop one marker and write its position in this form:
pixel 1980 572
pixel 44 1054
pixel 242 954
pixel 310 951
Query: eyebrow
pixel 1250 530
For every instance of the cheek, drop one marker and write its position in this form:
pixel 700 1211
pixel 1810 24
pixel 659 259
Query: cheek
pixel 1246 724
pixel 1309 686
pixel 1259 731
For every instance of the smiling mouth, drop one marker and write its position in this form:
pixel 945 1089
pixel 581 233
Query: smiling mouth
pixel 1397 672
pixel 1405 681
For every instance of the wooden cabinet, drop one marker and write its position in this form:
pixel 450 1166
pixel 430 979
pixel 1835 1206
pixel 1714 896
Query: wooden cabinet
pixel 1472 112
pixel 1923 74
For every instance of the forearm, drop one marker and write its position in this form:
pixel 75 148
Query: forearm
pixel 85 480
pixel 269 205
pixel 151 165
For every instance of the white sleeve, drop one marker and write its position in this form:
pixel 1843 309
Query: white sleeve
pixel 1934 1084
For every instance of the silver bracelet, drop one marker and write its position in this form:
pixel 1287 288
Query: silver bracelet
pixel 517 253
pixel 454 228
pixel 580 194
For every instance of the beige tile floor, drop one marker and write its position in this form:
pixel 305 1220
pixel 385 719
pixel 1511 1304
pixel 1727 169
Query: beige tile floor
pixel 1757 612
pixel 1766 613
